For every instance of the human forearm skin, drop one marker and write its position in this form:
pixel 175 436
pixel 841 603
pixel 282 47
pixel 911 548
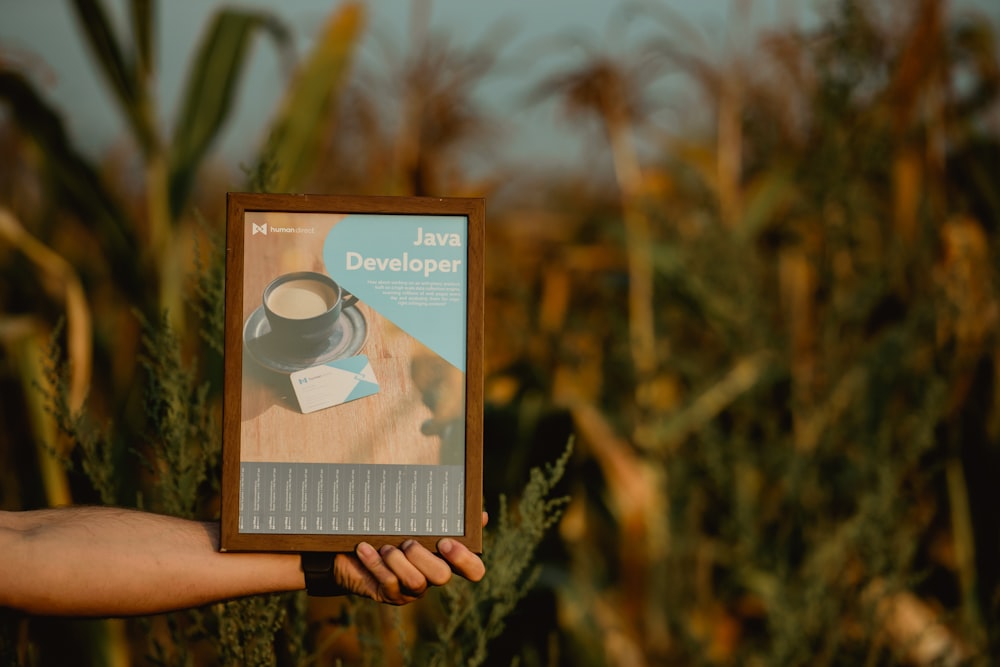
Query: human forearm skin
pixel 101 561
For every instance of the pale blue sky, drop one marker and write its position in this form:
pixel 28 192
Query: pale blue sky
pixel 42 37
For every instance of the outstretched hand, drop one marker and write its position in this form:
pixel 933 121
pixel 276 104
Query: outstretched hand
pixel 399 575
pixel 108 561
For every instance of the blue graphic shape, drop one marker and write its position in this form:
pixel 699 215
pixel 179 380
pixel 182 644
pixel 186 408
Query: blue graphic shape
pixel 411 269
pixel 361 390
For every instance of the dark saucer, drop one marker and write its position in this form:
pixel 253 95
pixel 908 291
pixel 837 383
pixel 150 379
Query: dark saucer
pixel 266 349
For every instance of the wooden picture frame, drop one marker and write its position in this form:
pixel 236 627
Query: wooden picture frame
pixel 353 397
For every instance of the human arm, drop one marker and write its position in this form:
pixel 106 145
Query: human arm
pixel 100 561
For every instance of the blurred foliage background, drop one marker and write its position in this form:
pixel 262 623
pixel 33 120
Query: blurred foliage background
pixel 771 330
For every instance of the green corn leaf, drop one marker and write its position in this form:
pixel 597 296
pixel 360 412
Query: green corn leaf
pixel 142 27
pixel 121 75
pixel 293 145
pixel 101 38
pixel 210 90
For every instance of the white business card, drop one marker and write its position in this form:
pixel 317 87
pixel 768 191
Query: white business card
pixel 334 383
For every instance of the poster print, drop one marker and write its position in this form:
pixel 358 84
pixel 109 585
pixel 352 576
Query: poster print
pixel 353 396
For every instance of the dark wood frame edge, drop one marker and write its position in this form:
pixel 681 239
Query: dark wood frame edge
pixel 237 204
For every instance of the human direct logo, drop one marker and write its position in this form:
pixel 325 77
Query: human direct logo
pixel 264 229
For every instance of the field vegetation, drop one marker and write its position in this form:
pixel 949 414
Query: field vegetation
pixel 743 365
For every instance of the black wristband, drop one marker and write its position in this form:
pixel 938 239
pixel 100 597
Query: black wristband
pixel 318 568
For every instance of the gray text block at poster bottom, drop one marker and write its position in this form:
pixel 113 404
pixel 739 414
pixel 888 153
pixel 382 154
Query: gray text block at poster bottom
pixel 351 498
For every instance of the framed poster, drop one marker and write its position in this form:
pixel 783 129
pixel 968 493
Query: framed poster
pixel 353 372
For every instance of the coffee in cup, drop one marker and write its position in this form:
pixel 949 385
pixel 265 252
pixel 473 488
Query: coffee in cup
pixel 303 307
pixel 301 299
